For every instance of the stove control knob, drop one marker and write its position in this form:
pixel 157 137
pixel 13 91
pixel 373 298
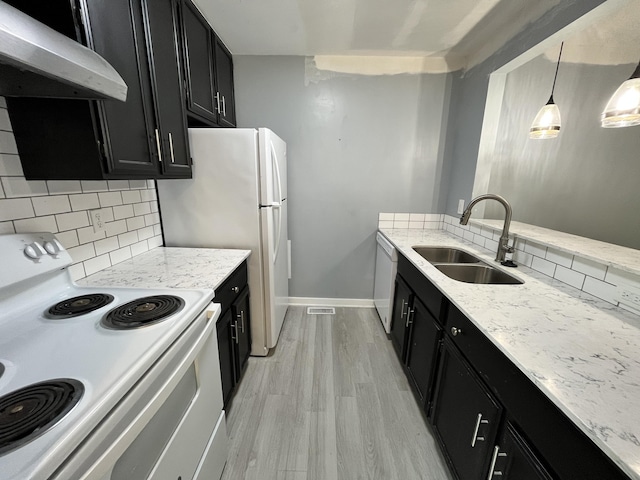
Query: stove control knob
pixel 34 250
pixel 52 248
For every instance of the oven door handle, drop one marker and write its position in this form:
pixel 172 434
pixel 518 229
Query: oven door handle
pixel 110 456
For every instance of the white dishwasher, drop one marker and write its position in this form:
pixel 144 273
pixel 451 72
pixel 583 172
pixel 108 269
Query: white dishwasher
pixel 384 282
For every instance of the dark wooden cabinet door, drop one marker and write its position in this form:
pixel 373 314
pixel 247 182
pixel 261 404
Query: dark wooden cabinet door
pixel 242 318
pixel 171 133
pixel 465 416
pixel 198 55
pixel 224 84
pixel 422 348
pixel 401 301
pixel 512 459
pixel 226 355
pixel 116 31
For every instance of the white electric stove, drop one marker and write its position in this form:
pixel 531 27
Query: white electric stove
pixel 104 383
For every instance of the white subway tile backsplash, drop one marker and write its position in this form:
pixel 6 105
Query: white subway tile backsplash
pixel 107 214
pixel 131 196
pixel 433 225
pixel 145 233
pixel 118 184
pixel 416 217
pixel 110 199
pixel 6 227
pixel 385 224
pixel 77 271
pixel 94 186
pixel 561 258
pixel 120 255
pixel 64 186
pixel 96 264
pixel 140 247
pixel 154 206
pixel 468 235
pixel 603 290
pixel 10 165
pixel 141 208
pixel 154 218
pixel 51 205
pixel 155 241
pixel 157 229
pixel 520 257
pixel 122 211
pixel 385 216
pixel 416 225
pixel 137 184
pixel 543 266
pixel 116 228
pixel 128 238
pixel 82 252
pixel 520 244
pixel 1 191
pixel 84 201
pixel 535 249
pixel 150 196
pixel 87 234
pixel 68 239
pixel 570 277
pixel 107 245
pixel 402 217
pixel 7 143
pixel 36 224
pixel 135 223
pixel 433 217
pixel 15 187
pixel 16 208
pixel 589 267
pixel 619 277
pixel 71 221
pixel 401 224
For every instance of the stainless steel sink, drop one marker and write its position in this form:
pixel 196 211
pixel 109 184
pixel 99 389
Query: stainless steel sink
pixel 445 255
pixel 484 274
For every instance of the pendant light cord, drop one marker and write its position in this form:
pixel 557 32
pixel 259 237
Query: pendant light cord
pixel 556 75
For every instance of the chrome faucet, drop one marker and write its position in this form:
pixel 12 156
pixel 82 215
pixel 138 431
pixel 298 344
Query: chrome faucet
pixel 503 243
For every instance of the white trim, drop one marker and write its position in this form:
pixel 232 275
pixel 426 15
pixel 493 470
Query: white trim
pixel 332 302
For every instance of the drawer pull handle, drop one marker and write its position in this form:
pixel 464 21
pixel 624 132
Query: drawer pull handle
pixel 455 331
pixel 409 317
pixel 241 317
pixel 235 289
pixel 494 457
pixel 234 329
pixel 475 431
pixel 402 310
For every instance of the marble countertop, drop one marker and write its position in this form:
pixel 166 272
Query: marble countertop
pixel 581 352
pixel 623 258
pixel 171 267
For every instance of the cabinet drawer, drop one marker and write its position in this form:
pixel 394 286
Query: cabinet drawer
pixel 230 289
pixel 428 293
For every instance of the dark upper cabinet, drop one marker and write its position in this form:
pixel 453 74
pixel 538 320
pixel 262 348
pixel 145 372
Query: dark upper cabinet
pixel 104 139
pixel 171 126
pixel 224 82
pixel 465 416
pixel 198 58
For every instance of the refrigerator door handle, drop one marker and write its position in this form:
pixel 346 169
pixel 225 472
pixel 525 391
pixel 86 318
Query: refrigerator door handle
pixel 276 205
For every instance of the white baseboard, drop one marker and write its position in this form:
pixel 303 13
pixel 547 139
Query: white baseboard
pixel 332 302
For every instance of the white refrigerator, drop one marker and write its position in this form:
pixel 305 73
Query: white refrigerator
pixel 237 198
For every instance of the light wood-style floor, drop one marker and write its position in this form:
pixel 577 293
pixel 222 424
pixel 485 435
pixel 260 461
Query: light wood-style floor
pixel 331 403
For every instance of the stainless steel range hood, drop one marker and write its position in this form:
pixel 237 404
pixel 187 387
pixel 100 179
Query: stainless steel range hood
pixel 37 61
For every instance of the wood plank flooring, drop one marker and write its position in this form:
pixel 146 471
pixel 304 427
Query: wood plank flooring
pixel 331 403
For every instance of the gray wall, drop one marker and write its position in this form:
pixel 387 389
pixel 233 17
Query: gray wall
pixel 470 93
pixel 357 145
pixel 585 181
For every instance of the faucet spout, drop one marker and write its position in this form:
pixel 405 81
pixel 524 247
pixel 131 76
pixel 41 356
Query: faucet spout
pixel 503 244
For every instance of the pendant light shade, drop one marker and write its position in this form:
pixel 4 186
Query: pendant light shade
pixel 623 109
pixel 547 122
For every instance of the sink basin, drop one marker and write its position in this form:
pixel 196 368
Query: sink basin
pixel 445 255
pixel 478 274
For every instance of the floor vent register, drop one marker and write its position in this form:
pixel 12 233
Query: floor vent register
pixel 321 311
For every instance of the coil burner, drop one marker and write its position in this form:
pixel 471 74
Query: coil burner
pixel 142 312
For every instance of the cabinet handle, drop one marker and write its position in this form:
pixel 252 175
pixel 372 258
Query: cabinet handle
pixel 455 331
pixel 409 315
pixel 234 326
pixel 494 457
pixel 402 310
pixel 235 289
pixel 475 430
pixel 224 107
pixel 173 159
pixel 241 317
pixel 158 145
pixel 218 102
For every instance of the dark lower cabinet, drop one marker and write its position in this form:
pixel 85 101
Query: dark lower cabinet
pixel 513 459
pixel 399 324
pixel 234 330
pixel 422 349
pixel 465 416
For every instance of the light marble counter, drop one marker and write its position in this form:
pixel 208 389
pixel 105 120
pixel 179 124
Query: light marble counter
pixel 171 267
pixel 623 258
pixel 581 352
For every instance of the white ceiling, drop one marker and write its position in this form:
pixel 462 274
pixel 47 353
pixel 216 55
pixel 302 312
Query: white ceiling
pixel 458 33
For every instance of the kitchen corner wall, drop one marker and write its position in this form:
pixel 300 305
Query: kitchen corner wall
pixel 129 208
pixel 357 145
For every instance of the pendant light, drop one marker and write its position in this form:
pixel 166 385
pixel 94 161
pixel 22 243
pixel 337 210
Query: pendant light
pixel 623 108
pixel 547 121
